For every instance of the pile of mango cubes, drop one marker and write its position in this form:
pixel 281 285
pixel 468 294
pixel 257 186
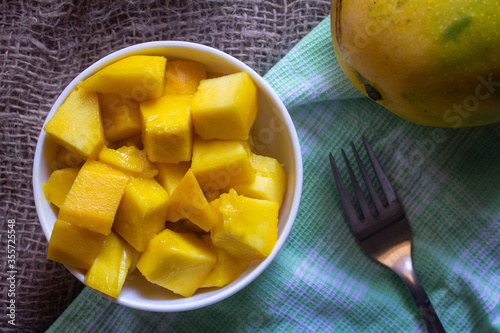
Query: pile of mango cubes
pixel 155 171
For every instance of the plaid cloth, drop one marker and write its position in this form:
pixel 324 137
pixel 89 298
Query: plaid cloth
pixel 448 181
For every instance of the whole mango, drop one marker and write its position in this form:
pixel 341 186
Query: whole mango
pixel 434 63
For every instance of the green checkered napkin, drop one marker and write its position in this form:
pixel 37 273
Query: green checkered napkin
pixel 447 179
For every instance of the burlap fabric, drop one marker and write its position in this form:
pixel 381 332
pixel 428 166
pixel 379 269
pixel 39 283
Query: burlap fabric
pixel 44 45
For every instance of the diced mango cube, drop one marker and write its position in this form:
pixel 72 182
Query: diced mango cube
pixel 225 107
pixel 77 124
pixel 142 212
pixel 248 228
pixel 172 214
pixel 109 270
pixel 226 269
pixel 94 197
pixel 269 183
pixel 166 128
pixel 69 158
pixel 120 117
pixel 58 185
pixel 74 246
pixel 175 261
pixel 135 259
pixel 139 77
pixel 189 201
pixel 169 176
pixel 221 164
pixel 182 77
pixel 130 160
pixel 135 141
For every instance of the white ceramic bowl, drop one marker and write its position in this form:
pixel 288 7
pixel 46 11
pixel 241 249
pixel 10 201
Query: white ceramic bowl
pixel 274 135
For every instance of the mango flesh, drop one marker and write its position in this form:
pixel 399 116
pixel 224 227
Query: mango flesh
pixel 182 77
pixel 225 107
pixel 110 268
pixel 94 197
pixel 169 176
pixel 166 128
pixel 138 78
pixel 57 187
pixel 77 124
pixel 130 160
pixel 142 212
pixel 74 246
pixel 175 261
pixel 226 269
pixel 269 183
pixel 247 228
pixel 190 203
pixel 135 141
pixel 434 64
pixel 121 117
pixel 118 206
pixel 221 164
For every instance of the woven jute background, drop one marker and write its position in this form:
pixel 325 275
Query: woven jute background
pixel 43 46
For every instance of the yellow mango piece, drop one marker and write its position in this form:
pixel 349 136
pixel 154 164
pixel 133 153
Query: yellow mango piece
pixel 172 214
pixel 221 164
pixel 77 124
pixel 226 269
pixel 212 195
pixel 120 117
pixel 135 141
pixel 69 158
pixel 139 78
pixel 94 197
pixel 215 204
pixel 133 265
pixel 248 228
pixel 179 262
pixel 130 160
pixel 166 128
pixel 189 201
pixel 169 176
pixel 269 183
pixel 142 212
pixel 58 185
pixel 109 270
pixel 74 246
pixel 182 77
pixel 225 107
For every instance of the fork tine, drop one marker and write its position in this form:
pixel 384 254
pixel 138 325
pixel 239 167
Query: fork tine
pixel 389 193
pixel 349 209
pixel 365 209
pixel 369 185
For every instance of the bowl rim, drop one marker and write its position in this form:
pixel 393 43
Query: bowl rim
pixel 228 290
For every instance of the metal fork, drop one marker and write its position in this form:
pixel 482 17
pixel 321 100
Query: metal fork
pixel 384 236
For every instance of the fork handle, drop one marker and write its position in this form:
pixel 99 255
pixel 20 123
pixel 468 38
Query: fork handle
pixel 424 305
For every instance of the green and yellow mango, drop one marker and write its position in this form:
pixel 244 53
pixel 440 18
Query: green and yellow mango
pixel 433 63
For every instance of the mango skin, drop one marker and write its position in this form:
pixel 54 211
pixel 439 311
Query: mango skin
pixel 433 64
